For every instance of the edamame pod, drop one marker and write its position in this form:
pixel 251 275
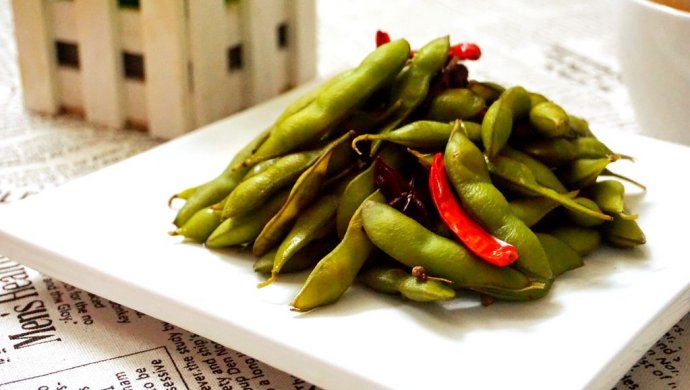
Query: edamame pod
pixel 562 257
pixel 333 103
pixel 356 191
pixel 555 152
pixel 469 175
pixel 334 274
pixel 419 134
pixel 497 124
pixel 536 98
pixel 584 172
pixel 316 222
pixel 579 126
pixel 488 91
pixel 623 233
pixel 252 192
pixel 583 240
pixel 260 167
pixel 518 100
pixel 531 210
pixel 609 195
pixel 496 127
pixel 543 174
pixel 550 120
pixel 303 259
pixel 520 175
pixel 583 219
pixel 304 191
pixel 184 195
pixel 244 228
pixel 411 88
pixel 453 104
pixel 361 187
pixel 200 225
pixel 217 189
pixel 397 281
pixel 407 241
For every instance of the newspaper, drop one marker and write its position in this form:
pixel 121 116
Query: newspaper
pixel 56 336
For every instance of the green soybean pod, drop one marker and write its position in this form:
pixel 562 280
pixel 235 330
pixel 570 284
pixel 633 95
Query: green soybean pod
pixel 497 124
pixel 307 99
pixel 583 219
pixel 468 173
pixel 397 281
pixel 543 174
pixel 200 225
pixel 303 192
pixel 531 210
pixel 591 147
pixel 555 152
pixel 333 103
pixel 582 239
pixel 579 126
pixel 562 257
pixel 407 241
pixel 472 130
pixel 245 228
pixel 260 167
pixel 360 187
pixel 550 120
pixel 609 195
pixel 252 192
pixel 411 87
pixel 215 190
pixel 584 172
pixel 418 134
pixel 316 222
pixel 184 195
pixel 518 100
pixel 520 175
pixel 496 127
pixel 623 233
pixel 303 259
pixel 536 98
pixel 453 104
pixel 218 188
pixel 488 91
pixel 334 274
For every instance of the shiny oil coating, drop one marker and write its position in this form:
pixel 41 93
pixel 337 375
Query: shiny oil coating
pixel 298 200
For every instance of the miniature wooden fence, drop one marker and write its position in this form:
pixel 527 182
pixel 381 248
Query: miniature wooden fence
pixel 165 65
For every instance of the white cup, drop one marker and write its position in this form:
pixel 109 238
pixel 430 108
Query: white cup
pixel 654 54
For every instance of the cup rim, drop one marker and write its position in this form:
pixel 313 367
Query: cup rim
pixel 657 7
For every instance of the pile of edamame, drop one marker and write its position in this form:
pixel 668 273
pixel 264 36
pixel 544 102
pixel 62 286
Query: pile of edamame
pixel 306 194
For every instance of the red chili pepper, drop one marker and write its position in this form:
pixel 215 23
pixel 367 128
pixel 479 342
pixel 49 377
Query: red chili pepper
pixel 382 37
pixel 465 51
pixel 477 240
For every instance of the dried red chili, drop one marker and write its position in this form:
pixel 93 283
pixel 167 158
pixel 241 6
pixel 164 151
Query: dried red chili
pixel 382 37
pixel 465 51
pixel 477 240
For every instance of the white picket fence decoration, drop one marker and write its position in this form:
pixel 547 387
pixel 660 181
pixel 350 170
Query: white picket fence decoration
pixel 165 65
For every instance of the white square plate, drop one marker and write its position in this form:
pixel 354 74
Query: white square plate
pixel 106 233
